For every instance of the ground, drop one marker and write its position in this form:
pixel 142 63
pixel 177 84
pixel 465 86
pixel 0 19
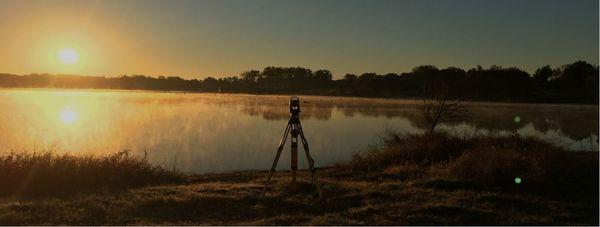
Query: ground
pixel 430 179
pixel 234 199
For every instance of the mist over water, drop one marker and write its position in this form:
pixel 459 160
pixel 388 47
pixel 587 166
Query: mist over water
pixel 218 132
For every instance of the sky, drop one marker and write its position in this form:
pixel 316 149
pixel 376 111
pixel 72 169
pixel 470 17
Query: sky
pixel 196 38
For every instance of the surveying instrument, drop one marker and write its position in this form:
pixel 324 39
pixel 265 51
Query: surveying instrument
pixel 295 129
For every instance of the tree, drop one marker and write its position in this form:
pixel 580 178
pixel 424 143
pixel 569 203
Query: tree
pixel 425 70
pixel 250 76
pixel 577 82
pixel 350 77
pixel 440 105
pixel 543 74
pixel 323 75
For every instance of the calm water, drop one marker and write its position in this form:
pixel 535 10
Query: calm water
pixel 216 132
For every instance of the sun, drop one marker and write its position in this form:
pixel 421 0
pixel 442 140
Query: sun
pixel 68 56
pixel 68 116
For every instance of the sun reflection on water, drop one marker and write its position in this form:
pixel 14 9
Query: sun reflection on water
pixel 207 132
pixel 68 116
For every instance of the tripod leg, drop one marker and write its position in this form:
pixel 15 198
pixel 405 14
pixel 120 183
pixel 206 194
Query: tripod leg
pixel 274 166
pixel 294 151
pixel 311 162
pixel 307 152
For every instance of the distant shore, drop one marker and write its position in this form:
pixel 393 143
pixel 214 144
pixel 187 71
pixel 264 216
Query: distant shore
pixel 411 180
pixel 412 100
pixel 570 83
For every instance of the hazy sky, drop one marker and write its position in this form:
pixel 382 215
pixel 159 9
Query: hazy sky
pixel 223 38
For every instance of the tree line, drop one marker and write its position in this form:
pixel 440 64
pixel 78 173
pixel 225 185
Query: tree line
pixel 571 83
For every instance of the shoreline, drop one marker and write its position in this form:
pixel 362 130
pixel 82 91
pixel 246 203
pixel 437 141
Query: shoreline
pixel 407 100
pixel 414 180
pixel 234 199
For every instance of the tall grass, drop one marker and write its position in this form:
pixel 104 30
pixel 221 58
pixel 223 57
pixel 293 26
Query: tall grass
pixel 494 161
pixel 43 174
pixel 420 150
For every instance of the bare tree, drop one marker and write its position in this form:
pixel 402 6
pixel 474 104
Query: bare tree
pixel 440 105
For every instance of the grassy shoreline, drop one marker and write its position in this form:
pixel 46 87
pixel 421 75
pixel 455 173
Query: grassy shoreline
pixel 411 180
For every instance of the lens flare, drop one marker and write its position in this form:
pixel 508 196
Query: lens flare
pixel 517 119
pixel 517 180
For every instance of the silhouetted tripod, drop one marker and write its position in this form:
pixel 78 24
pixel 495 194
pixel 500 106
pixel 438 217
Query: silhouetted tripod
pixel 294 128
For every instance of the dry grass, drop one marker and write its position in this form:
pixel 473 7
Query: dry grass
pixel 421 150
pixel 492 161
pixel 221 201
pixel 49 174
pixel 409 181
pixel 489 162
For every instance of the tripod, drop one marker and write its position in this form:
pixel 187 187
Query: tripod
pixel 294 127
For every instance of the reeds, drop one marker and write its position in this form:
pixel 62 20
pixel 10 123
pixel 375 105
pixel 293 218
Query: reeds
pixel 494 161
pixel 43 174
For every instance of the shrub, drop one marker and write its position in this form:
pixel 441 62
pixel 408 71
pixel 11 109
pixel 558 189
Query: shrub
pixel 494 166
pixel 492 161
pixel 420 150
pixel 499 161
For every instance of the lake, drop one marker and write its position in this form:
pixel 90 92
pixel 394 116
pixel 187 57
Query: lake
pixel 201 133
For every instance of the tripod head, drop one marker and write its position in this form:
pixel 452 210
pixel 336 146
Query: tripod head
pixel 294 106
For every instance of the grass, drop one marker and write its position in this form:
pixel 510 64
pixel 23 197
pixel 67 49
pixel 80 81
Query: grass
pixel 490 162
pixel 410 180
pixel 49 174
